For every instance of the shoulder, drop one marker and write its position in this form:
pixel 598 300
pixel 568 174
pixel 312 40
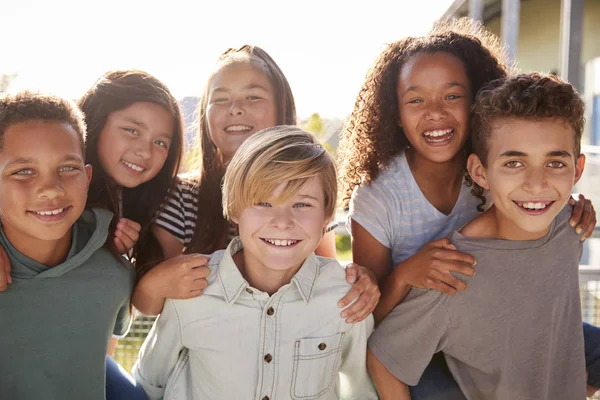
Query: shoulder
pixel 187 184
pixel 331 278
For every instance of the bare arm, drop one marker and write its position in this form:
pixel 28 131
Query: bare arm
pixel 388 387
pixel 170 245
pixel 326 247
pixel 180 277
pixel 430 268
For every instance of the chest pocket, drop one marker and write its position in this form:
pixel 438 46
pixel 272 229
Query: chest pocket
pixel 316 363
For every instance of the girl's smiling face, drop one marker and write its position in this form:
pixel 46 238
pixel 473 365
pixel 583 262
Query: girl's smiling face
pixel 241 102
pixel 134 143
pixel 434 100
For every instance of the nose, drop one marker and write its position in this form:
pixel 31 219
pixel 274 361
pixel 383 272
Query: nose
pixel 51 188
pixel 536 180
pixel 143 149
pixel 282 218
pixel 435 111
pixel 236 108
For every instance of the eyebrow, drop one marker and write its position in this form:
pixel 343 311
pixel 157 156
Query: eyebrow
pixel 25 160
pixel 136 122
pixel 307 196
pixel 446 86
pixel 247 87
pixel 556 153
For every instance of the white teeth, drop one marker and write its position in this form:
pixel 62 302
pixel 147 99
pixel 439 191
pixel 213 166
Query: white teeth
pixel 133 166
pixel 238 128
pixel 438 133
pixel 534 206
pixel 278 242
pixel 52 212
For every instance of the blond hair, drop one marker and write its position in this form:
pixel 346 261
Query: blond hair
pixel 282 154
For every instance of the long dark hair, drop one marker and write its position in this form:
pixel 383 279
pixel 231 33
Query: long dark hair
pixel 114 91
pixel 210 234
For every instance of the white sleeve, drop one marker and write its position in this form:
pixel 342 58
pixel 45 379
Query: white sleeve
pixel 159 353
pixel 357 384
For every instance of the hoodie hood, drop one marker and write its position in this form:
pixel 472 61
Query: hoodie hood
pixel 89 234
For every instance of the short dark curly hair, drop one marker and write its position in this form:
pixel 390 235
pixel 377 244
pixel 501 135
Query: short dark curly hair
pixel 531 96
pixel 371 136
pixel 33 107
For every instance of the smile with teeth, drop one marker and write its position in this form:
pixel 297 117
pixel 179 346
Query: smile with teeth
pixel 238 128
pixel 534 205
pixel 133 166
pixel 281 242
pixel 50 212
pixel 438 135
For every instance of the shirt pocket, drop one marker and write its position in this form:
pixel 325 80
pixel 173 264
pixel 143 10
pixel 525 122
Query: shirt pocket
pixel 316 363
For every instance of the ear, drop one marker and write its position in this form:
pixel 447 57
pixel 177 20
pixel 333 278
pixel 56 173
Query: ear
pixel 579 167
pixel 234 219
pixel 88 173
pixel 477 171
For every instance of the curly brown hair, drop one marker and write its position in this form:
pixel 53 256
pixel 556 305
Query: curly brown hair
pixel 371 137
pixel 527 96
pixel 31 106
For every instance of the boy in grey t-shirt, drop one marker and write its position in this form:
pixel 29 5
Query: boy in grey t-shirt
pixel 516 333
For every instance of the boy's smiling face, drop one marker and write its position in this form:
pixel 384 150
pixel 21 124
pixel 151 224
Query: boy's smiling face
pixel 530 173
pixel 43 181
pixel 279 237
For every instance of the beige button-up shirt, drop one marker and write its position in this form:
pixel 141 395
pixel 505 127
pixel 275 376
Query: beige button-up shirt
pixel 242 343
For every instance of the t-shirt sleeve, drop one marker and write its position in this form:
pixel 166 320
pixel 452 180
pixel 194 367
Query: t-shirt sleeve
pixel 411 334
pixel 172 217
pixel 370 207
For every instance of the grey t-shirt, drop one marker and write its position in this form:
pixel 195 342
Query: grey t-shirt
pixel 55 323
pixel 514 334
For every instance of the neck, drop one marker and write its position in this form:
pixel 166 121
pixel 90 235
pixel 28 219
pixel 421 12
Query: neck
pixel 430 171
pixel 47 252
pixel 493 225
pixel 260 276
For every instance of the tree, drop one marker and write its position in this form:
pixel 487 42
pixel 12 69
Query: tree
pixel 5 81
pixel 315 125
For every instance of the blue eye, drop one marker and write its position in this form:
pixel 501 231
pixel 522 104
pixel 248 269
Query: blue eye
pixel 415 101
pixel 68 168
pixel 301 205
pixel 263 204
pixel 453 97
pixel 23 172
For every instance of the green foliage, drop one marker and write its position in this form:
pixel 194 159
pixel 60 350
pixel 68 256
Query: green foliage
pixel 315 125
pixel 343 246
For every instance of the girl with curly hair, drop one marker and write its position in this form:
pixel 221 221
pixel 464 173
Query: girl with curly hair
pixel 402 166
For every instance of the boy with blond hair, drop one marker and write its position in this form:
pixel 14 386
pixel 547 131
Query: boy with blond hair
pixel 515 334
pixel 267 326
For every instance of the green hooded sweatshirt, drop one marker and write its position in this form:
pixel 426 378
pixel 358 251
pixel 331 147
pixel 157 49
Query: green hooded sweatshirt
pixel 56 323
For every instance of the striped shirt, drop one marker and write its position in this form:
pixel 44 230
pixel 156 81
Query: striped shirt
pixel 179 215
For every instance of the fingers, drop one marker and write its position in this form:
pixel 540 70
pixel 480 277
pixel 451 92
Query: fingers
pixel 123 242
pixel 444 255
pixel 128 233
pixel 577 211
pixel 443 243
pixel 5 277
pixel 587 224
pixel 351 273
pixel 437 284
pixel 354 292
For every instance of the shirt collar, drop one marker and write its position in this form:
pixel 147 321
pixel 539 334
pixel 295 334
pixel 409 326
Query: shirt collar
pixel 234 284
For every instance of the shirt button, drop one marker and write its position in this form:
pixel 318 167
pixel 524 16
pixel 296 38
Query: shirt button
pixel 270 311
pixel 249 290
pixel 322 346
pixel 268 358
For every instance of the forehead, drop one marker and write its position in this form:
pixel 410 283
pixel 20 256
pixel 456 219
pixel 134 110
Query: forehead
pixel 150 114
pixel 530 136
pixel 39 137
pixel 432 68
pixel 241 73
